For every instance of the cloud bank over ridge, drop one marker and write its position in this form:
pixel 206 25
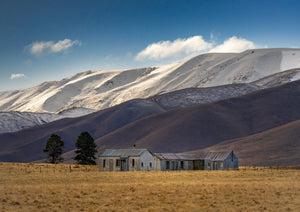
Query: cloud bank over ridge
pixel 188 47
pixel 234 44
pixel 177 48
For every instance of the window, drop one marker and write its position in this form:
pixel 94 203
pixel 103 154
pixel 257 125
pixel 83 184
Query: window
pixel 133 162
pixel 167 164
pixel 150 165
pixel 104 162
pixel 181 164
pixel 118 162
pixel 142 164
pixel 208 164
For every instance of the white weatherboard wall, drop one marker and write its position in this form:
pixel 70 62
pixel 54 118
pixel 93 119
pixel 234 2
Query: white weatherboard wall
pixel 148 162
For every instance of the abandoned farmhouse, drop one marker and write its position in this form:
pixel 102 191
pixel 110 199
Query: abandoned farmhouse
pixel 145 160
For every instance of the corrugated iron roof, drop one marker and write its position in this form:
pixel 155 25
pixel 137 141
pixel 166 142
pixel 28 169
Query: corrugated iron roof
pixel 213 155
pixel 217 155
pixel 176 156
pixel 122 152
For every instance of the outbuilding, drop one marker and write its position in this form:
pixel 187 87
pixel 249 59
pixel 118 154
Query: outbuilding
pixel 219 160
pixel 177 161
pixel 127 160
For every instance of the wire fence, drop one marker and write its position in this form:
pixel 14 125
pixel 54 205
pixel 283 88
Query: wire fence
pixel 12 168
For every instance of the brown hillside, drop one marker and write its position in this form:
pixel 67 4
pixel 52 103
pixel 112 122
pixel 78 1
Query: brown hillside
pixel 27 145
pixel 205 125
pixel 177 130
pixel 278 146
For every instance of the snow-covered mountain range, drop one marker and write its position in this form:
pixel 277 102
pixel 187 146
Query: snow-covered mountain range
pixel 233 96
pixel 219 75
pixel 102 89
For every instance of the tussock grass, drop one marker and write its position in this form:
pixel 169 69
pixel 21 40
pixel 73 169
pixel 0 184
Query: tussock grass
pixel 44 187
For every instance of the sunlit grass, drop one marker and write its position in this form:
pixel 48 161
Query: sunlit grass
pixel 42 187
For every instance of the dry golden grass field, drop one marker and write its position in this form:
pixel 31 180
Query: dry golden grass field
pixel 43 187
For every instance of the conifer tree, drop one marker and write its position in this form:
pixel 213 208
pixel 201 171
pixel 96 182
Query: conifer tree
pixel 86 149
pixel 54 148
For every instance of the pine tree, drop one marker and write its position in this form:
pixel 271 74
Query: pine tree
pixel 86 149
pixel 54 148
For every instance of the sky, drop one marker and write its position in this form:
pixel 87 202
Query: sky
pixel 53 39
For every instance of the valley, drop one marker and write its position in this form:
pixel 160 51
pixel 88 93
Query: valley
pixel 236 101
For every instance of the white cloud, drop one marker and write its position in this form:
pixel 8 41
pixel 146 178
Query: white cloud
pixel 63 45
pixel 234 44
pixel 39 48
pixel 16 76
pixel 183 48
pixel 175 49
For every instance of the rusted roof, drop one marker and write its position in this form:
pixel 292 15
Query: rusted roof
pixel 217 155
pixel 176 156
pixel 122 152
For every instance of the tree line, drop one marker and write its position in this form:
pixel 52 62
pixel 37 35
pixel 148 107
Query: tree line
pixel 85 149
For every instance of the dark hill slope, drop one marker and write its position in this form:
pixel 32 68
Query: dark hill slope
pixel 277 146
pixel 205 125
pixel 177 130
pixel 27 145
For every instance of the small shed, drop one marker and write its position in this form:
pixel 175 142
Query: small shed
pixel 219 160
pixel 127 160
pixel 176 161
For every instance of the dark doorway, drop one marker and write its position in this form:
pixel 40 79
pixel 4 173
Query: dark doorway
pixel 111 164
pixel 124 165
pixel 199 165
pixel 215 165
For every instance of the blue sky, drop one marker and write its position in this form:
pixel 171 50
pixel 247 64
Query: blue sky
pixel 52 39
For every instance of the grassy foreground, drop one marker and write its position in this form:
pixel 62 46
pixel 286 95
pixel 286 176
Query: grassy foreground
pixel 42 187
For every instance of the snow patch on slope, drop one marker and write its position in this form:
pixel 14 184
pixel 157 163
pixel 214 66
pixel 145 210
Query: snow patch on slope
pixel 277 79
pixel 14 121
pixel 290 60
pixel 195 96
pixel 296 77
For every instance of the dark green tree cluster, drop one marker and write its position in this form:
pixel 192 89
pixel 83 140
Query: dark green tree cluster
pixel 85 152
pixel 86 149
